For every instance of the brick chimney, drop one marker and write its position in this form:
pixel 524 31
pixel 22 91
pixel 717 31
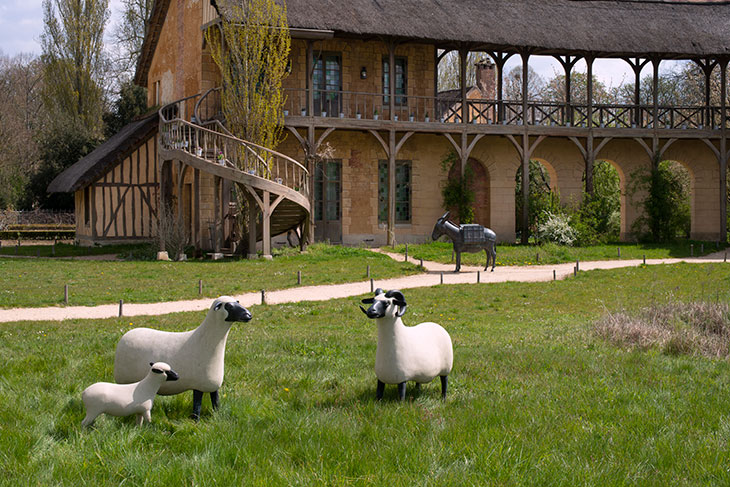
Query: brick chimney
pixel 486 79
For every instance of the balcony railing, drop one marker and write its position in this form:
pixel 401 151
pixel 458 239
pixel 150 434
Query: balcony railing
pixel 376 106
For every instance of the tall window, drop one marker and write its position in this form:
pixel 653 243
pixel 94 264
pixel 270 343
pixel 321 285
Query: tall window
pixel 327 83
pixel 402 191
pixel 401 81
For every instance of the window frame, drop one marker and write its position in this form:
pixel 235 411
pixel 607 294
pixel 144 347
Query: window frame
pixel 383 191
pixel 401 99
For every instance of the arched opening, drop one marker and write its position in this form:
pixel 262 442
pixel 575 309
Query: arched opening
pixel 477 178
pixel 544 197
pixel 667 205
pixel 603 215
pixel 679 184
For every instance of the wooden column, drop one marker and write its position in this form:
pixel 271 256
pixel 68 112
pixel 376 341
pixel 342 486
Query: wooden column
pixel 723 149
pixel 707 65
pixel 655 88
pixel 568 62
pixel 311 154
pixel 266 210
pixel 637 64
pixel 463 54
pixel 589 143
pixel 216 214
pixel 391 145
pixel 391 187
pixel 310 71
pixel 197 238
pixel 525 153
pixel 253 214
pixel 500 59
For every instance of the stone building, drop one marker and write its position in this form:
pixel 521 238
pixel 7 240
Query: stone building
pixel 380 182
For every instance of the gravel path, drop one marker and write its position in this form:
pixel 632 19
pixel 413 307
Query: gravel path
pixel 434 274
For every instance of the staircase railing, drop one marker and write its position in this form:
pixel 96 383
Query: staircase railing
pixel 216 147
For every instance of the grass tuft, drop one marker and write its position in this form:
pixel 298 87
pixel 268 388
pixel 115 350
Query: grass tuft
pixel 675 328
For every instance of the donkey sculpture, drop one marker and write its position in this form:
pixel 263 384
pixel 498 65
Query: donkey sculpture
pixel 467 238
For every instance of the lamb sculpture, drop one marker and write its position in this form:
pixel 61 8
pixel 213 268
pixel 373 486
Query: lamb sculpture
pixel 197 355
pixel 126 399
pixel 418 353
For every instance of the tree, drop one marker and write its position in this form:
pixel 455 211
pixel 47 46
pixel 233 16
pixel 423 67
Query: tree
pixel 131 103
pixel 253 64
pixel 129 35
pixel 21 120
pixel 543 200
pixel 554 89
pixel 73 57
pixel 251 49
pixel 58 150
pixel 449 70
pixel 666 205
pixel 513 84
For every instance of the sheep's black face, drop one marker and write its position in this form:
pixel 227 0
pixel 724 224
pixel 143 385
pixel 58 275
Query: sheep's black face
pixel 379 304
pixel 171 375
pixel 236 312
pixel 377 308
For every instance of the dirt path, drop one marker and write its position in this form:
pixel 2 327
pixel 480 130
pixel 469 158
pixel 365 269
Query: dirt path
pixel 435 273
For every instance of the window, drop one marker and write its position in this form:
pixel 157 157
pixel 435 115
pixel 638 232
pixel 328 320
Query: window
pixel 327 83
pixel 401 85
pixel 402 191
pixel 327 180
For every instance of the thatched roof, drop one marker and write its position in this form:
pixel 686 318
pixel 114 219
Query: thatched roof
pixel 680 29
pixel 613 28
pixel 105 157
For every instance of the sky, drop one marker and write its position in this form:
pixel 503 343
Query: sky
pixel 21 25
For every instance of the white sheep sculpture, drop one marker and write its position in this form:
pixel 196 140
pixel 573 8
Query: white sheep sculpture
pixel 418 353
pixel 126 399
pixel 198 355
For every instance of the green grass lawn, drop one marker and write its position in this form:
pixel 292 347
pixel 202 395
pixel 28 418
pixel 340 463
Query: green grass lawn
pixel 40 282
pixel 556 254
pixel 47 249
pixel 535 398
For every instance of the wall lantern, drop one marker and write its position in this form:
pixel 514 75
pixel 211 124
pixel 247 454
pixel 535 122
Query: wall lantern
pixel 363 73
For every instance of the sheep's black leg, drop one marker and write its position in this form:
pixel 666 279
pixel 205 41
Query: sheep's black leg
pixel 379 391
pixel 197 403
pixel 214 399
pixel 458 262
pixel 444 385
pixel 418 387
pixel 402 391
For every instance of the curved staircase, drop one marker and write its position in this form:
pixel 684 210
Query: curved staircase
pixel 276 186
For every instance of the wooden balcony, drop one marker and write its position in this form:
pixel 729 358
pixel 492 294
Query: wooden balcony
pixel 357 110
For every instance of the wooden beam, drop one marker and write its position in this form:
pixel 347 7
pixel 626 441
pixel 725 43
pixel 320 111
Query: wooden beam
pixel 457 147
pixel 383 144
pixel 516 144
pixel 402 141
pixel 579 145
pixel 266 242
pixel 198 238
pixel 322 137
pixel 723 148
pixel 310 72
pixel 463 54
pixel 216 213
pixel 391 189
